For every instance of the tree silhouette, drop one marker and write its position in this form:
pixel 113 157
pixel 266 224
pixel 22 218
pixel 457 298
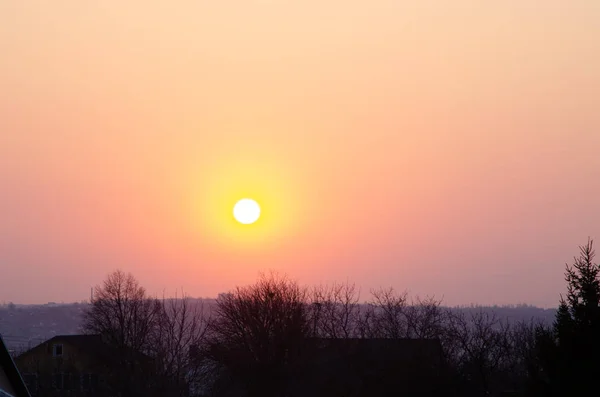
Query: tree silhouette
pixel 179 331
pixel 126 317
pixel 335 310
pixel 571 357
pixel 476 346
pixel 256 333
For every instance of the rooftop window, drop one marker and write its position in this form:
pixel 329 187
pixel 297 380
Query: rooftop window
pixel 57 350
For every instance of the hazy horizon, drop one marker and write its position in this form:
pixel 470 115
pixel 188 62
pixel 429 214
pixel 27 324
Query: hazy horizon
pixel 448 148
pixel 474 305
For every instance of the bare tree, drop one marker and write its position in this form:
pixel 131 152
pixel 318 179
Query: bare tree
pixel 180 330
pixel 478 346
pixel 122 312
pixel 385 316
pixel 126 317
pixel 425 318
pixel 390 314
pixel 256 332
pixel 335 310
pixel 523 362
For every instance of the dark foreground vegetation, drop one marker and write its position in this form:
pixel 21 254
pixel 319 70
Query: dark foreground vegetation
pixel 279 339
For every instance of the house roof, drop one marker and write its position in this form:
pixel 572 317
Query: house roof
pixel 405 346
pixel 12 373
pixel 370 367
pixel 377 349
pixel 414 352
pixel 94 345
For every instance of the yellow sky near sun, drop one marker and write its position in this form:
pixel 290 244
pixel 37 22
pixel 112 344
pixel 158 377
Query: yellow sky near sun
pixel 367 130
pixel 254 175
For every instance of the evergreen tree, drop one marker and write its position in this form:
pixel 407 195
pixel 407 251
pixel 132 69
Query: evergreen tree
pixel 571 361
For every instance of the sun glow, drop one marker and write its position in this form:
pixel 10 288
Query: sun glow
pixel 227 223
pixel 246 211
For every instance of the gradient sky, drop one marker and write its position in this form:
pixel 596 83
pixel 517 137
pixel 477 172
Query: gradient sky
pixel 446 147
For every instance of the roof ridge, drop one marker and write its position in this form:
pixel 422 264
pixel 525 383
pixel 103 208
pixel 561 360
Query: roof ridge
pixel 11 371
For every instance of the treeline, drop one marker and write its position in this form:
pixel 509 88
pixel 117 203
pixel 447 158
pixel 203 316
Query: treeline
pixel 249 343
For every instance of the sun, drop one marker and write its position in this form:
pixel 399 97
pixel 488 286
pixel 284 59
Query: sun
pixel 246 211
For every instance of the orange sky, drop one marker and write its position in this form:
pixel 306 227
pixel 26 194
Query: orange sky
pixel 444 147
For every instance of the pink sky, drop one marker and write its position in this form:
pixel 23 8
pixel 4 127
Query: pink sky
pixel 443 147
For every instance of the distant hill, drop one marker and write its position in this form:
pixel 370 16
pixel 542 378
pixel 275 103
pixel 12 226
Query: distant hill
pixel 516 313
pixel 25 326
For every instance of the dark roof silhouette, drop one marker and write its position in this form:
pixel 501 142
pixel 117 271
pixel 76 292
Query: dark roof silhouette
pixel 372 367
pixel 93 345
pixel 12 373
pixel 406 345
pixel 353 367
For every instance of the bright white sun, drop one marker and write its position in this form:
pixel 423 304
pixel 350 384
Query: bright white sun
pixel 246 211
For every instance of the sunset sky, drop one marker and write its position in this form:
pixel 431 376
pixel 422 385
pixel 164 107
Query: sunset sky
pixel 448 147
